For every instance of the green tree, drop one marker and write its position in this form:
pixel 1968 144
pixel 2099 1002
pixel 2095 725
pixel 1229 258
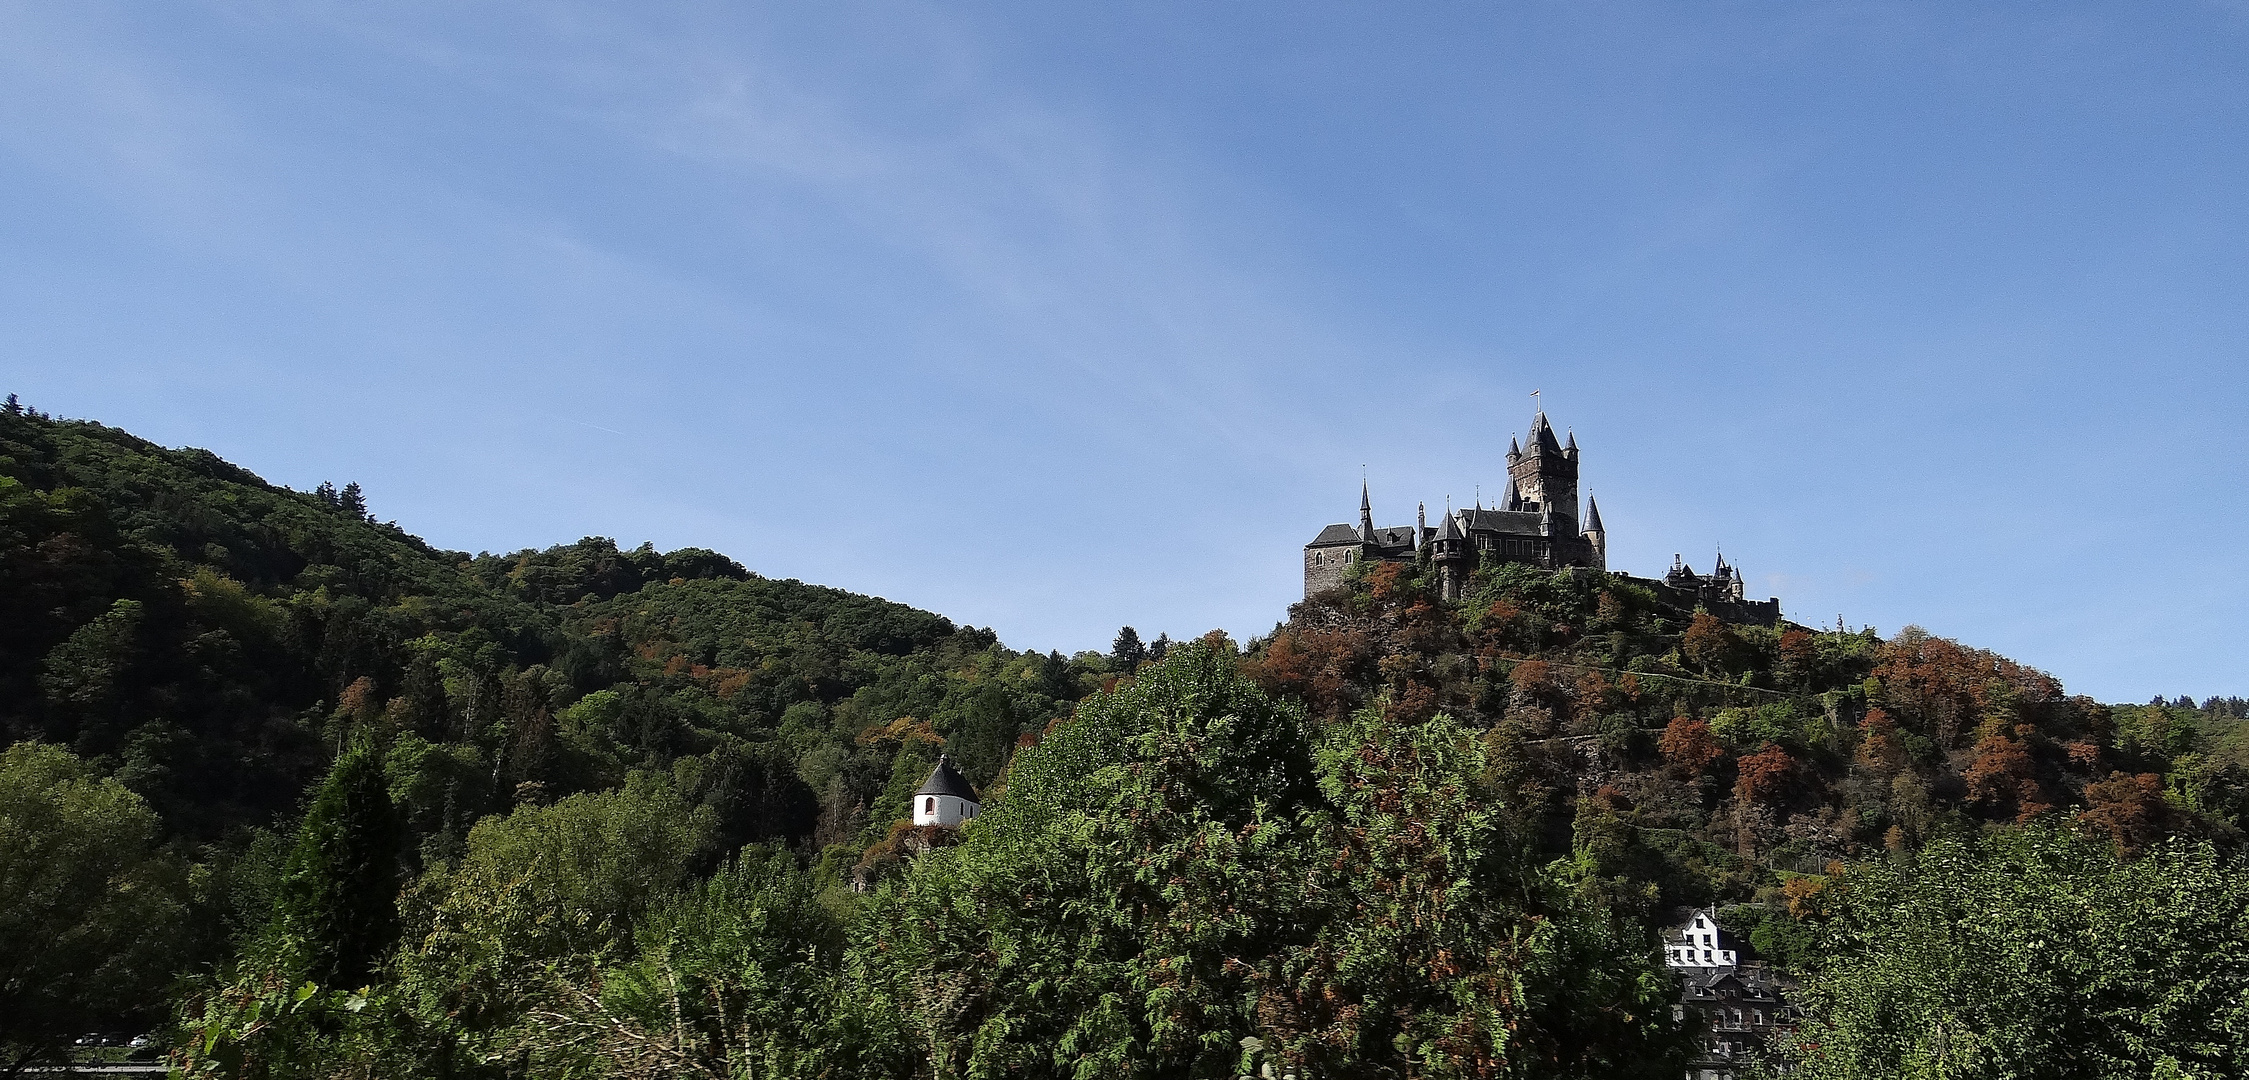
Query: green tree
pixel 1127 652
pixel 1103 919
pixel 87 678
pixel 739 975
pixel 544 893
pixel 1443 949
pixel 92 914
pixel 2036 952
pixel 338 903
pixel 1174 886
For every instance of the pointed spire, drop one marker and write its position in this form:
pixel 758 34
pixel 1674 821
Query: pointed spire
pixel 1592 515
pixel 1450 530
pixel 1366 514
pixel 1514 497
pixel 1514 449
pixel 1573 440
pixel 1541 438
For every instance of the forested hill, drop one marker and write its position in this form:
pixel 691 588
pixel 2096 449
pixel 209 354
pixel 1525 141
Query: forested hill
pixel 310 798
pixel 208 637
pixel 1688 761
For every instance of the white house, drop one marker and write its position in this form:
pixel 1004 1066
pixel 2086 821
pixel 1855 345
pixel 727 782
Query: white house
pixel 1698 944
pixel 945 798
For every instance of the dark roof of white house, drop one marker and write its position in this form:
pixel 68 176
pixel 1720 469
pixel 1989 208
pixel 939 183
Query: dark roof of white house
pixel 946 780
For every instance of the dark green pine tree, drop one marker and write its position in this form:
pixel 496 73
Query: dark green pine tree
pixel 339 890
pixel 1127 651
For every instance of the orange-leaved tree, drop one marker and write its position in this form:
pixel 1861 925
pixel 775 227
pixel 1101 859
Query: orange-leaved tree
pixel 2130 809
pixel 1767 777
pixel 1689 746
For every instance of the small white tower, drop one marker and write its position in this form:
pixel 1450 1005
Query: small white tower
pixel 945 798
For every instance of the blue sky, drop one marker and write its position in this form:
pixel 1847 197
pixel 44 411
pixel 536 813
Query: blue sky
pixel 1059 317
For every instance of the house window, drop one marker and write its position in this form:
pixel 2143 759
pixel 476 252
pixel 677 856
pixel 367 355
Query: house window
pixel 929 805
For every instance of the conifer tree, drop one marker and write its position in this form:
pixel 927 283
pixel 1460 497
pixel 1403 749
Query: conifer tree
pixel 339 890
pixel 1127 650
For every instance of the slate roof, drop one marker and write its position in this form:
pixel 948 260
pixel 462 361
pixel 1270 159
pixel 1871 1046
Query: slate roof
pixel 1335 535
pixel 1512 522
pixel 1542 437
pixel 1396 536
pixel 945 780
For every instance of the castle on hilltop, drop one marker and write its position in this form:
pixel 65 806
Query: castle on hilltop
pixel 1536 524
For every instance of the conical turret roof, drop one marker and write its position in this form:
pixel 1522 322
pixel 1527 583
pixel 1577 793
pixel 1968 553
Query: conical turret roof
pixel 1450 530
pixel 1592 515
pixel 946 780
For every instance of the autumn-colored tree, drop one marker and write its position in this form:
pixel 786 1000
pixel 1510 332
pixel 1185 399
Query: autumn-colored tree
pixel 1385 583
pixel 1766 777
pixel 1689 746
pixel 1944 689
pixel 1321 668
pixel 1506 625
pixel 1534 681
pixel 2003 775
pixel 1708 643
pixel 1593 695
pixel 2083 753
pixel 2130 809
pixel 1805 894
pixel 1797 657
pixel 1879 746
pixel 1536 696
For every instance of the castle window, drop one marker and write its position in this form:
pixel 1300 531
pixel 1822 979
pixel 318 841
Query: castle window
pixel 929 805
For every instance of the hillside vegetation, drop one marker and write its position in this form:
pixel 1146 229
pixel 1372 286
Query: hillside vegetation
pixel 1688 761
pixel 338 803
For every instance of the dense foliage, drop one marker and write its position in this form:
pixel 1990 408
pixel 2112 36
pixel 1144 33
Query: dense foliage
pixel 2035 953
pixel 1689 761
pixel 588 811
pixel 209 643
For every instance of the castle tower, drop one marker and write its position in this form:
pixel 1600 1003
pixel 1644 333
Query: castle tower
pixel 1454 558
pixel 1544 473
pixel 1594 534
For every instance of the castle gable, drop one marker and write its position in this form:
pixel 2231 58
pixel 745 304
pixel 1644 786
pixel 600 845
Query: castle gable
pixel 1335 536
